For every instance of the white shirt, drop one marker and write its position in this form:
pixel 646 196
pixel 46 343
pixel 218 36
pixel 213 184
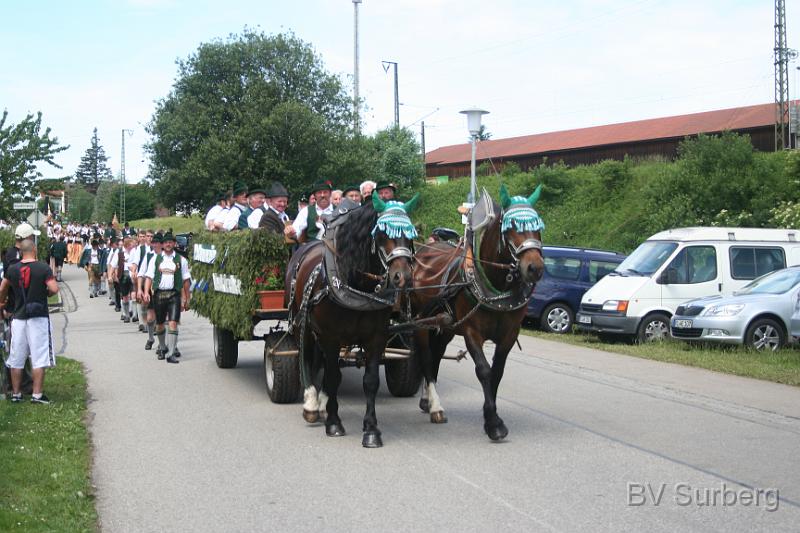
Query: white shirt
pixel 283 216
pixel 128 255
pixel 255 217
pixel 211 216
pixel 136 258
pixel 94 257
pixel 167 267
pixel 301 222
pixel 232 218
pixel 113 258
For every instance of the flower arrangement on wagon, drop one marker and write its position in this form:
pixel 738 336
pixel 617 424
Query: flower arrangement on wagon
pixel 269 286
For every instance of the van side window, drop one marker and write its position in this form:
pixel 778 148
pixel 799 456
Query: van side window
pixel 563 267
pixel 751 262
pixel 599 269
pixel 695 264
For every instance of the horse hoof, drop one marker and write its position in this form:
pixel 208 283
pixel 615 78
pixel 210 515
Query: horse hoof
pixel 312 417
pixel 438 417
pixel 335 430
pixel 372 440
pixel 424 405
pixel 498 432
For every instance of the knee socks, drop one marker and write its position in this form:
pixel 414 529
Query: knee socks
pixel 126 309
pixel 172 340
pixel 161 344
pixel 151 326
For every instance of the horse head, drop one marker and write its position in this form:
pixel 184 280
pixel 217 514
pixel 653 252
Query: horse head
pixel 393 235
pixel 521 228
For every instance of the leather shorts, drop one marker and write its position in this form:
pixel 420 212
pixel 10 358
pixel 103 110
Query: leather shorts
pixel 167 305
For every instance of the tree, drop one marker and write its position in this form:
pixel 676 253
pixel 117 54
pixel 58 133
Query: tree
pixel 483 134
pixel 254 108
pixel 22 147
pixel 138 201
pixel 397 157
pixel 93 168
pixel 80 203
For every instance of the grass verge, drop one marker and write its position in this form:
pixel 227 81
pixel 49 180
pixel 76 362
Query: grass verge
pixel 781 367
pixel 45 458
pixel 178 224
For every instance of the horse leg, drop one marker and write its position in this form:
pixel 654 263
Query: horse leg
pixel 438 344
pixel 492 424
pixel 372 381
pixel 331 379
pixel 317 371
pixel 312 361
pixel 422 351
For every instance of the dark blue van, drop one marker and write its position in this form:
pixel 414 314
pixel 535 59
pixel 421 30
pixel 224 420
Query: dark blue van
pixel 568 273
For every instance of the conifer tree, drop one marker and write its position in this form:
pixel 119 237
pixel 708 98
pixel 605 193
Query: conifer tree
pixel 93 168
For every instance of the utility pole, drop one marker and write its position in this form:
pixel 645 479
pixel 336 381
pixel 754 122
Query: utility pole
pixel 422 138
pixel 782 56
pixel 356 125
pixel 122 178
pixel 396 93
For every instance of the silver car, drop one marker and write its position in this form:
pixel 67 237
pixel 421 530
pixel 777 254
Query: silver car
pixel 759 315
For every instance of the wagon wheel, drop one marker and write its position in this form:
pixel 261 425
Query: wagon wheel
pixel 281 372
pixel 226 348
pixel 403 376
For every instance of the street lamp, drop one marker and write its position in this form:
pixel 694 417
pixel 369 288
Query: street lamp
pixel 474 125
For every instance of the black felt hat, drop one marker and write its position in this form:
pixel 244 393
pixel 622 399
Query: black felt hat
pixel 239 188
pixel 168 236
pixel 158 238
pixel 257 190
pixel 349 188
pixel 321 186
pixel 386 185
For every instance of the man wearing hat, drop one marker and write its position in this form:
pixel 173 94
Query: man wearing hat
pixel 255 208
pixel 167 283
pixel 275 217
pixel 216 209
pixel 239 206
pixel 352 192
pixel 386 191
pixel 308 219
pixel 90 260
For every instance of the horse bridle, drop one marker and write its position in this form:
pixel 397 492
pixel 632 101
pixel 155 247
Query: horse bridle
pixel 396 253
pixel 516 251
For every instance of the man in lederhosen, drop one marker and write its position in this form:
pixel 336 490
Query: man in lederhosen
pixel 167 283
pixel 90 260
pixel 150 317
pixel 124 264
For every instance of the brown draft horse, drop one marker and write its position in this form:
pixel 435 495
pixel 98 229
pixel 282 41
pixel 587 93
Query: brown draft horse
pixel 373 263
pixel 488 279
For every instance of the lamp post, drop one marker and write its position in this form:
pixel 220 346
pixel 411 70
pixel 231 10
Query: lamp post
pixel 474 125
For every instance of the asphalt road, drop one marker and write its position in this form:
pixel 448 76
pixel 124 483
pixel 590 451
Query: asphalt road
pixel 191 447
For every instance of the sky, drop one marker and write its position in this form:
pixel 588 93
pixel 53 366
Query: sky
pixel 536 66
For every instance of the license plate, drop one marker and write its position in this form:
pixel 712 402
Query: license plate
pixel 583 319
pixel 683 324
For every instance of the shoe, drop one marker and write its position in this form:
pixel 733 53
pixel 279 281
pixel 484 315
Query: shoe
pixel 148 345
pixel 91 296
pixel 43 400
pixel 135 319
pixel 16 398
pixel 172 359
pixel 142 328
pixel 126 320
pixel 103 293
pixel 111 303
pixel 160 355
pixel 117 310
pixel 177 353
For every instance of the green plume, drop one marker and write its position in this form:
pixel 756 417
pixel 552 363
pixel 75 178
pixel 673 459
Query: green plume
pixel 377 203
pixel 505 199
pixel 533 198
pixel 410 205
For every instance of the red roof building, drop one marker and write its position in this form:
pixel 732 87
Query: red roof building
pixel 642 138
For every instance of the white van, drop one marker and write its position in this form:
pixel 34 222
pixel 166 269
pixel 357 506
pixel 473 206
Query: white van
pixel 677 265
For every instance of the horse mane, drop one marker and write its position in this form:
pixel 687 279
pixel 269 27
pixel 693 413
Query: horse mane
pixel 354 244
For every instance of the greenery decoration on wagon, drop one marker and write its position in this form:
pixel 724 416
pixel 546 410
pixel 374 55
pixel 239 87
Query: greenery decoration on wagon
pixel 246 255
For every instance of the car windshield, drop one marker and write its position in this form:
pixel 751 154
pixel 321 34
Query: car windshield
pixel 776 282
pixel 647 258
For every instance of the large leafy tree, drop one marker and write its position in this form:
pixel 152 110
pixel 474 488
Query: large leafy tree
pixel 94 166
pixel 139 202
pixel 23 147
pixel 254 108
pixel 397 157
pixel 80 203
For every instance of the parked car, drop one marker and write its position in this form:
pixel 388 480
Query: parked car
pixel 759 315
pixel 568 273
pixel 182 243
pixel 677 265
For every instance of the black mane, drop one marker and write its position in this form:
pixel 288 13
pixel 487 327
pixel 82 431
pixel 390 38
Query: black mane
pixel 354 245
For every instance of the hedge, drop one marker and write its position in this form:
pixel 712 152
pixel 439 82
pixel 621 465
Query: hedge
pixel 242 254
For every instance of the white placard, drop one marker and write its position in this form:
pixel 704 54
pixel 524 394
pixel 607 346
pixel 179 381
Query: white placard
pixel 204 253
pixel 227 284
pixel 24 206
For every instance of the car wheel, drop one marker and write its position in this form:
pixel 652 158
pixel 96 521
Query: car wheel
pixel 654 327
pixel 765 334
pixel 557 318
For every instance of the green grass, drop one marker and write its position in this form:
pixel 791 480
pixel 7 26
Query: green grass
pixel 781 367
pixel 45 458
pixel 178 224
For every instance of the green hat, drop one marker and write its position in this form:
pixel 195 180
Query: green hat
pixel 321 186
pixel 256 191
pixel 239 188
pixel 385 185
pixel 158 238
pixel 349 188
pixel 169 237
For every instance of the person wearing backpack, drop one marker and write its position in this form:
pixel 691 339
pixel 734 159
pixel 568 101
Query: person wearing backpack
pixel 32 282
